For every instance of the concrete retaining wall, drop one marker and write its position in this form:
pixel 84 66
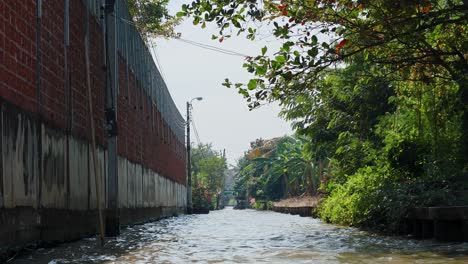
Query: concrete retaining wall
pixel 47 186
pixel 301 211
pixel 441 223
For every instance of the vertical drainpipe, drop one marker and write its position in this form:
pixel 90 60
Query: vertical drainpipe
pixel 38 101
pixel 127 80
pixel 112 213
pixel 66 43
pixel 38 55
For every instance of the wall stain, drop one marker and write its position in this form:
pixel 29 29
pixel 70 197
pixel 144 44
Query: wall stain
pixel 26 162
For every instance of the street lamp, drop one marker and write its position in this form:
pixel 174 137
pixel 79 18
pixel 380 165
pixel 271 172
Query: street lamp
pixel 189 167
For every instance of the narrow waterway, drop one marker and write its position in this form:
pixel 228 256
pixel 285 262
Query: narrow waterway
pixel 248 236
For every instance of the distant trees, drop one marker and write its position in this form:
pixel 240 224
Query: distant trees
pixel 277 168
pixel 208 172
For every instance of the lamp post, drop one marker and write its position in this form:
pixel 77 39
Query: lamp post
pixel 189 167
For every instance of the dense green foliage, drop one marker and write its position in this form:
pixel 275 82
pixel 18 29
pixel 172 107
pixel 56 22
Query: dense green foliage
pixel 208 170
pixel 377 88
pixel 152 18
pixel 393 145
pixel 277 168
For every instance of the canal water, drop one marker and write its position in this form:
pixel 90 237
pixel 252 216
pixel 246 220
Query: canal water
pixel 248 236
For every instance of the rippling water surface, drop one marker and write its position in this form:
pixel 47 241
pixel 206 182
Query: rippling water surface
pixel 248 236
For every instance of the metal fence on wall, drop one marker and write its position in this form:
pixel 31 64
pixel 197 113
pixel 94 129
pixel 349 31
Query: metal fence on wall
pixel 133 49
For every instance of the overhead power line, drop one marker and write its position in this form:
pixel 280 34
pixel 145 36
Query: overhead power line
pixel 195 130
pixel 154 49
pixel 213 48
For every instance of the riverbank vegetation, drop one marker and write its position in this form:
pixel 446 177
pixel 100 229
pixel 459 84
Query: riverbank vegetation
pixel 208 171
pixel 276 168
pixel 377 93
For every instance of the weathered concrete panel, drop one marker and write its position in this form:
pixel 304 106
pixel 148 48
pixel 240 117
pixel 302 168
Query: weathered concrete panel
pixel 178 197
pixel 19 159
pixel 131 183
pixel 157 190
pixel 54 180
pixel 123 201
pixel 160 191
pixel 153 189
pixel 180 192
pixel 139 186
pixel 144 181
pixel 105 179
pixel 100 160
pixel 169 193
pixel 146 185
pixel 173 194
pixel 181 195
pixel 164 192
pixel 79 174
pixel 150 188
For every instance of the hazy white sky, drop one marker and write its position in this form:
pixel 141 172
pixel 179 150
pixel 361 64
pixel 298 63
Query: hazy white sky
pixel 222 118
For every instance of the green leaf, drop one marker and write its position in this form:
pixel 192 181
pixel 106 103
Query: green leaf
pixel 287 46
pixel 313 52
pixel 181 14
pixel 252 84
pixel 196 20
pixel 264 50
pixel 244 92
pixel 280 59
pixel 261 70
pixel 236 23
pixel 226 83
pixel 314 40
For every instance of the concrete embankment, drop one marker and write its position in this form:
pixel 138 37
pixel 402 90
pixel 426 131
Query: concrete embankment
pixel 440 223
pixel 47 187
pixel 448 224
pixel 303 206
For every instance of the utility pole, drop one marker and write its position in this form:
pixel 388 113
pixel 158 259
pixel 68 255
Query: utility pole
pixel 189 167
pixel 224 179
pixel 112 219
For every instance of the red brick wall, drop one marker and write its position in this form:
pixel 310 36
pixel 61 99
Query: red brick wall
pixel 139 140
pixel 18 52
